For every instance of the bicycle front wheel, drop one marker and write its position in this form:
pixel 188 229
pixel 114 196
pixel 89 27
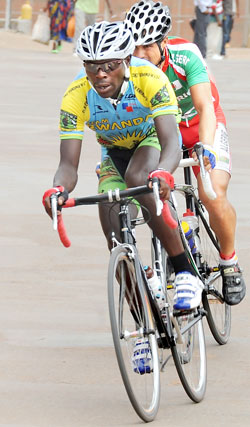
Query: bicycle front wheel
pixel 189 354
pixel 131 319
pixel 188 344
pixel 218 312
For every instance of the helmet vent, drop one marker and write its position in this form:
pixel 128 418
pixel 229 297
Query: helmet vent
pixel 153 18
pixel 104 41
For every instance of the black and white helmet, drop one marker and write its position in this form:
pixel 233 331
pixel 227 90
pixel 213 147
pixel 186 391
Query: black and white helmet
pixel 150 22
pixel 105 40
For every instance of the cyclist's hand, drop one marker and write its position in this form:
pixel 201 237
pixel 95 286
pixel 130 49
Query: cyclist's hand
pixel 209 157
pixel 166 182
pixel 62 195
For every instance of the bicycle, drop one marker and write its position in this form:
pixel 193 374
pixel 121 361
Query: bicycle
pixel 206 260
pixel 134 312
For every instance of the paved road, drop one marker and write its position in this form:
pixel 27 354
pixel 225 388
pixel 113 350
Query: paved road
pixel 57 364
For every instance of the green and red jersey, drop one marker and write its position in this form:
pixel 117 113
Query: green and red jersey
pixel 185 67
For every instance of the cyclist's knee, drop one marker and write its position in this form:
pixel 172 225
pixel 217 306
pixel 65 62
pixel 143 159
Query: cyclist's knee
pixel 135 179
pixel 220 180
pixel 219 206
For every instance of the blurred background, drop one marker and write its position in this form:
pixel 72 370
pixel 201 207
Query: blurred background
pixel 182 11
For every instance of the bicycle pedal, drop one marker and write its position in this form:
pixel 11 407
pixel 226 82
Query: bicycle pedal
pixel 180 313
pixel 202 312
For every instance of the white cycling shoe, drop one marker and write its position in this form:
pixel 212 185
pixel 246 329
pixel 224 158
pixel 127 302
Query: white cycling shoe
pixel 188 291
pixel 142 359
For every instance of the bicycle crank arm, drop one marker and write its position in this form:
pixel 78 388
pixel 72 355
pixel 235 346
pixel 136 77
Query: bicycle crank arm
pixel 136 334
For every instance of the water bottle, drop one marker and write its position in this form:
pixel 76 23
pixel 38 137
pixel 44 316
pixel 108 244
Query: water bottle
pixel 192 221
pixel 189 236
pixel 156 286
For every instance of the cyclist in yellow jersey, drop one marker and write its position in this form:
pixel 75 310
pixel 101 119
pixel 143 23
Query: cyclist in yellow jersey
pixel 131 106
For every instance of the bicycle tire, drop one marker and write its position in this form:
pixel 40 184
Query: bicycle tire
pixel 218 312
pixel 190 356
pixel 131 316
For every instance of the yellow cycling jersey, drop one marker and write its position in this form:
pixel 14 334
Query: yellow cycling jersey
pixel 149 94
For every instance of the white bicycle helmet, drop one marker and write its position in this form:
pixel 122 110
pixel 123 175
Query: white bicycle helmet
pixel 150 22
pixel 105 40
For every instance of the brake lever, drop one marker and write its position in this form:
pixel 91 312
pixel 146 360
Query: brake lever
pixel 206 181
pixel 158 202
pixel 53 200
pixel 198 148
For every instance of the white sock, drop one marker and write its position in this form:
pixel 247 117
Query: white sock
pixel 231 261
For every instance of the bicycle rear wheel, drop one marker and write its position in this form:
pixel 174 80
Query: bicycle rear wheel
pixel 218 312
pixel 131 318
pixel 189 354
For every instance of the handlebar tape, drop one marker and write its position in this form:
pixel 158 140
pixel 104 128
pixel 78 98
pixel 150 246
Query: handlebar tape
pixel 70 203
pixel 55 190
pixel 169 179
pixel 167 216
pixel 62 232
pixel 60 224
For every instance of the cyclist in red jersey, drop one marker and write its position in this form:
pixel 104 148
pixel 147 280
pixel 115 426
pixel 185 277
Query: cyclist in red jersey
pixel 202 120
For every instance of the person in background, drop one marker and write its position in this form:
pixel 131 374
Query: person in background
pixel 202 13
pixel 214 31
pixel 231 8
pixel 59 13
pixel 67 13
pixel 85 14
pixel 202 120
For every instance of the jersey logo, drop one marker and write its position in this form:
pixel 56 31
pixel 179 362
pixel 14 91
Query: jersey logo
pixel 128 106
pixel 184 96
pixel 130 96
pixel 176 85
pixel 160 97
pixel 67 120
pixel 99 109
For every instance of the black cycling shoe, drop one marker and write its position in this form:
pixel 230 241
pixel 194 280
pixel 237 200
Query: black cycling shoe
pixel 234 288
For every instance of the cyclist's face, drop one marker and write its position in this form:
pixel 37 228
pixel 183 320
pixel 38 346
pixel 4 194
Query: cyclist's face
pixel 106 76
pixel 150 52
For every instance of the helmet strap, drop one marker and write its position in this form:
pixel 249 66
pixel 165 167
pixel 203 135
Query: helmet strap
pixel 163 57
pixel 124 86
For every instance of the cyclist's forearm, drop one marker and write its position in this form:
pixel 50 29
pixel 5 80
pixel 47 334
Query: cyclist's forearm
pixel 202 99
pixel 170 158
pixel 66 176
pixel 207 126
pixel 166 129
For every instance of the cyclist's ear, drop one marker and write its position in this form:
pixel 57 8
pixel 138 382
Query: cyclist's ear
pixel 164 42
pixel 128 60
